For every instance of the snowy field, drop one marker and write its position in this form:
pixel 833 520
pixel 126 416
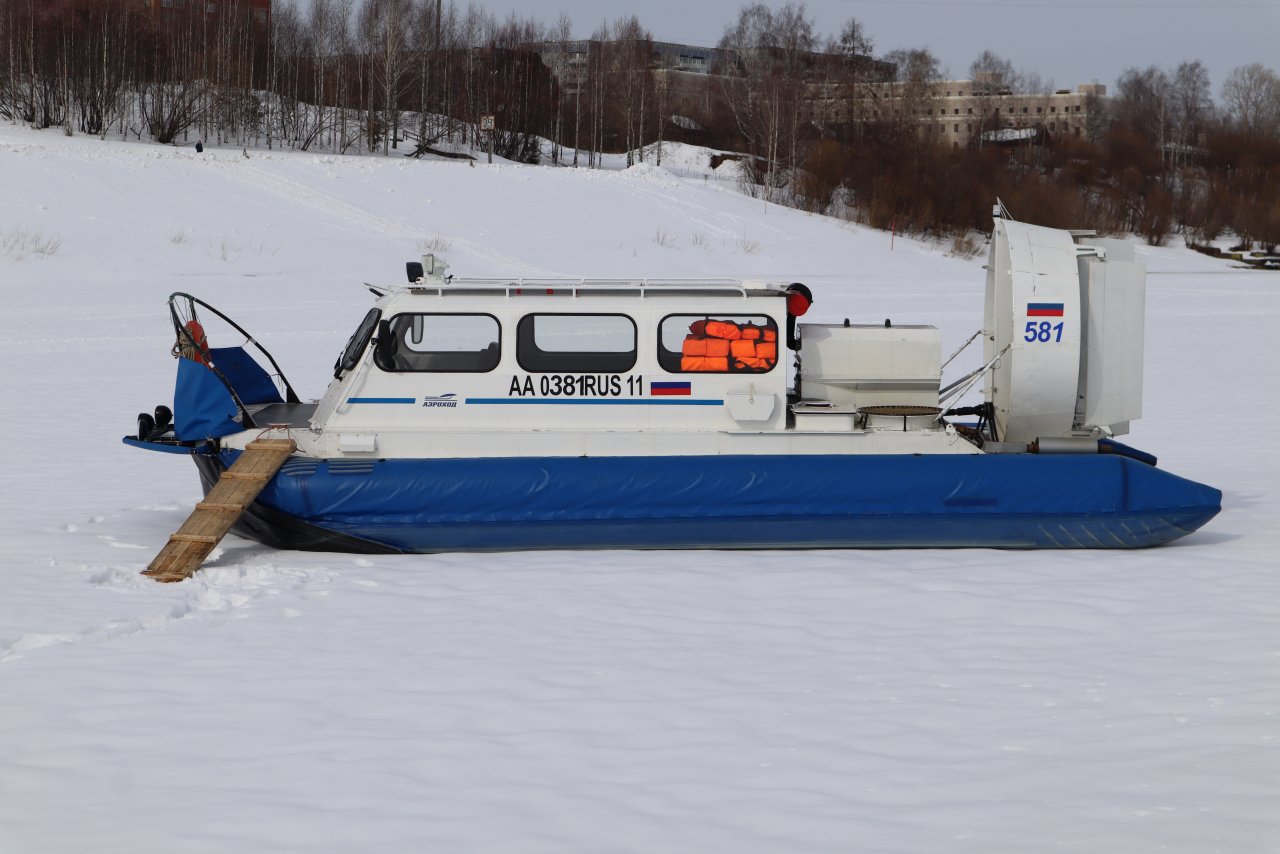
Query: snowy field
pixel 930 701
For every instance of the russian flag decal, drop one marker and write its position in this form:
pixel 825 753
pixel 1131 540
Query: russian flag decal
pixel 668 388
pixel 1044 309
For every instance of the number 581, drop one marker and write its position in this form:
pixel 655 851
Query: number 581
pixel 1043 332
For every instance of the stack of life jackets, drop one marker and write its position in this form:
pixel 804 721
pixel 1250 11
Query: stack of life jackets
pixel 722 345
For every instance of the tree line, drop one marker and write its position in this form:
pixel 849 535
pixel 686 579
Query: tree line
pixel 818 121
pixel 1157 158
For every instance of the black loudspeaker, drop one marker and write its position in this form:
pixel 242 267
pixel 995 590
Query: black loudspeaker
pixel 414 270
pixel 146 426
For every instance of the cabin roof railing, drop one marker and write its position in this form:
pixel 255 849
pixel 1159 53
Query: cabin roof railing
pixel 583 287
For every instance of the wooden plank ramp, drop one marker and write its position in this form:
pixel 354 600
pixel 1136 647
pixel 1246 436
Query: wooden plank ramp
pixel 225 503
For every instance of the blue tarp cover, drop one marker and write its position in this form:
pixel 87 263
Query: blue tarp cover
pixel 202 406
pixel 251 382
pixel 745 501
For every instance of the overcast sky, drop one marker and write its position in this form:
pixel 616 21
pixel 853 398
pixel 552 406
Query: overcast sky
pixel 1066 42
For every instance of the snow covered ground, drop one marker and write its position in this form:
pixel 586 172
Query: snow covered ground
pixel 958 701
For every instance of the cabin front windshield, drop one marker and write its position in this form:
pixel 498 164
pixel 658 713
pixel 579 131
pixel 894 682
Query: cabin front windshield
pixel 440 343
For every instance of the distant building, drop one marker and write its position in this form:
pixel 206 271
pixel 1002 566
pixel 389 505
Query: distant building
pixel 563 57
pixel 961 111
pixel 958 112
pixel 259 10
pixel 687 73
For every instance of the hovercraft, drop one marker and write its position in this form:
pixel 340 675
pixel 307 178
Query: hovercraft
pixel 496 414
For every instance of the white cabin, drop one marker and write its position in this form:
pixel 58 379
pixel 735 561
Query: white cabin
pixel 463 368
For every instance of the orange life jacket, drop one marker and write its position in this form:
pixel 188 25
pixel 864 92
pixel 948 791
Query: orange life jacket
pixel 723 329
pixel 704 363
pixel 715 347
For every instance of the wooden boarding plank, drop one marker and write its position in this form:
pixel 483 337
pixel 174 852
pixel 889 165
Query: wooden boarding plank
pixel 256 465
pixel 194 538
pixel 201 524
pixel 259 466
pixel 174 557
pixel 232 491
pixel 236 507
pixel 264 460
pixel 217 514
pixel 246 475
pixel 286 445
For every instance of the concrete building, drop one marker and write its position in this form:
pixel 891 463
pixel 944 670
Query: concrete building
pixel 962 111
pixel 959 112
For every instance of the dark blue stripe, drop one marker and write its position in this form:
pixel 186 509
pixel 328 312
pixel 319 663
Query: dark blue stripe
pixel 1043 306
pixel 599 401
pixel 382 400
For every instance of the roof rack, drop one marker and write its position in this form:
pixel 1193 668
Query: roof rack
pixel 580 287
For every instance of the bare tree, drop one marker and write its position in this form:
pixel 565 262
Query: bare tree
pixel 797 43
pixel 1192 108
pixel 290 46
pixel 173 95
pixel 598 86
pixel 916 73
pixel 515 87
pixel 1144 104
pixel 993 71
pixel 427 49
pixel 8 66
pixel 628 50
pixel 848 86
pixel 390 19
pixel 1251 96
pixel 339 40
pixel 1002 87
pixel 661 96
pixel 763 82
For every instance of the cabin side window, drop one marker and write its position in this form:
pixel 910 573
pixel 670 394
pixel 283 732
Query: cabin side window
pixel 717 344
pixel 576 343
pixel 440 343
